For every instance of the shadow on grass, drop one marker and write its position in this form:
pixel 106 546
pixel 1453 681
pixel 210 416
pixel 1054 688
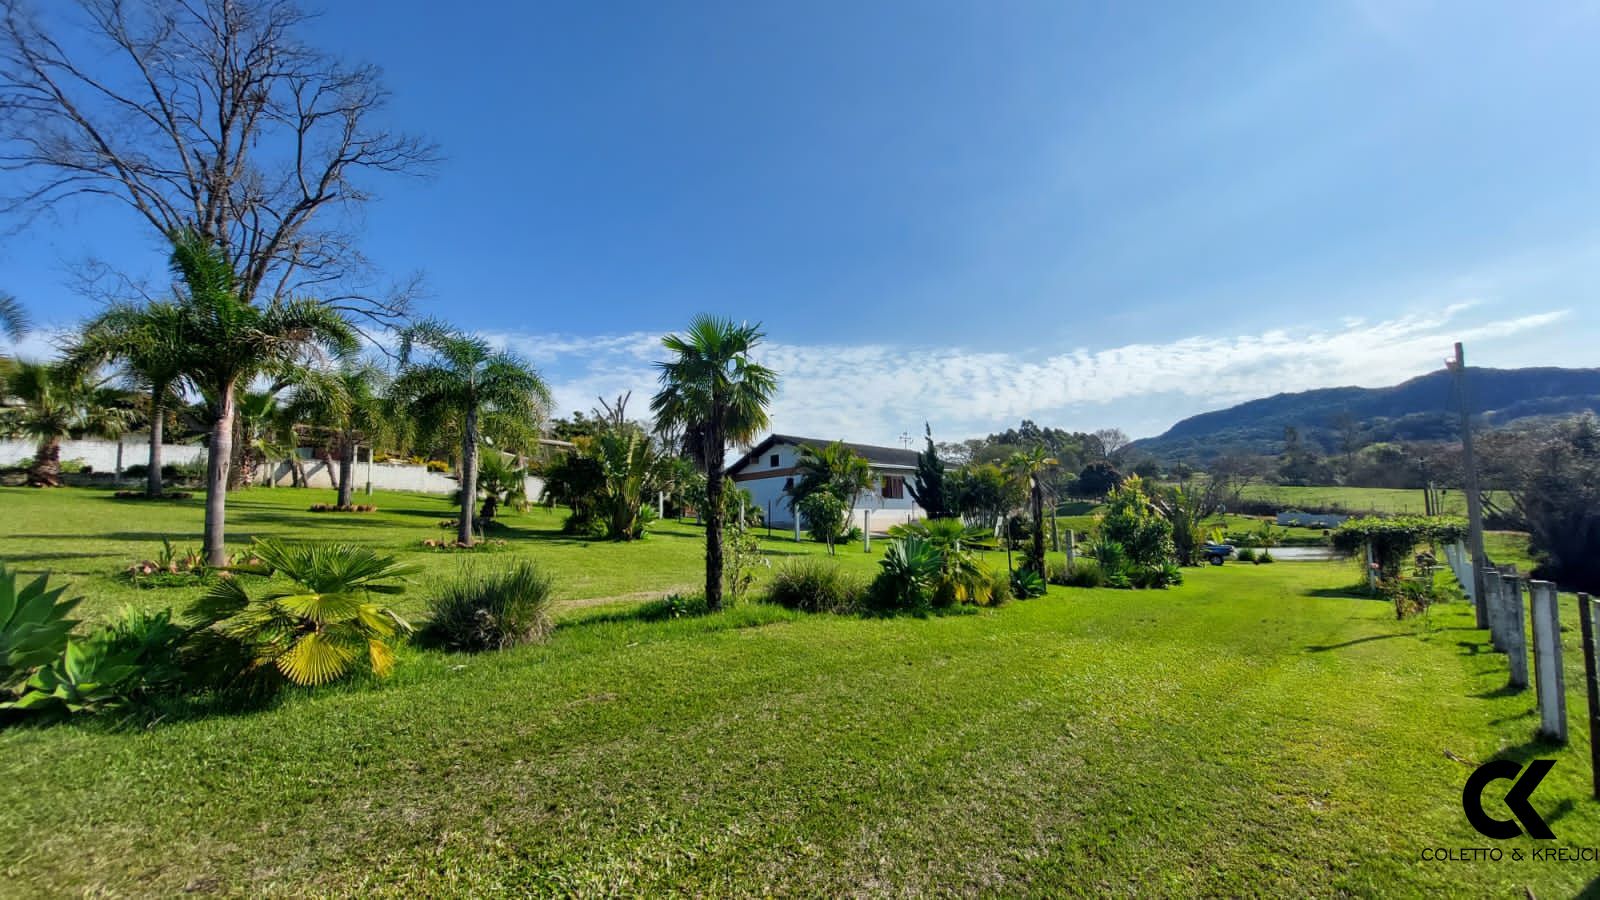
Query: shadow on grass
pixel 1504 690
pixel 105 536
pixel 64 554
pixel 1352 592
pixel 1324 648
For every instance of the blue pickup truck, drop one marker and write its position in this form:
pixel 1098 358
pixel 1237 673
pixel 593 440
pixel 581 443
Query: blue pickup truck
pixel 1217 553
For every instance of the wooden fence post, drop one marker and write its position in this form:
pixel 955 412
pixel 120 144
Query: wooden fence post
pixel 1588 610
pixel 1514 630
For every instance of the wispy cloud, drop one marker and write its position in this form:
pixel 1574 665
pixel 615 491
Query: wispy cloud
pixel 874 392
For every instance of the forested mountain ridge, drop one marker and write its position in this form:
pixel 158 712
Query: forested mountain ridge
pixel 1420 409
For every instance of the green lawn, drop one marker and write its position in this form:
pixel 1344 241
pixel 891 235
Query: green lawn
pixel 1255 731
pixel 89 537
pixel 1354 499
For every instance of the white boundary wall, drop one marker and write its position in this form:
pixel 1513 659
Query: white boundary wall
pixel 102 456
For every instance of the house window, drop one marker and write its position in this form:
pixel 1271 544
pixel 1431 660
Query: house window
pixel 774 460
pixel 894 487
pixel 788 484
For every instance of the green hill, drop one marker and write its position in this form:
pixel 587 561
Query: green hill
pixel 1420 409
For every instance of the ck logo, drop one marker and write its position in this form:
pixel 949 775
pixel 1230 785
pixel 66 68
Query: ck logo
pixel 1516 799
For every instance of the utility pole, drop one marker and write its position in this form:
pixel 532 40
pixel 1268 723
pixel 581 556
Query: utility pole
pixel 1469 466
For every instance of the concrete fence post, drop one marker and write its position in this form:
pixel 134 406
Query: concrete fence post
pixel 1072 549
pixel 1372 574
pixel 1588 613
pixel 866 531
pixel 1514 630
pixel 797 526
pixel 1491 603
pixel 1550 681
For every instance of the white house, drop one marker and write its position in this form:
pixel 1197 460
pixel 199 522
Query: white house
pixel 768 471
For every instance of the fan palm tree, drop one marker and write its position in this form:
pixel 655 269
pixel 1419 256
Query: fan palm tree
pixel 318 630
pixel 57 402
pixel 230 342
pixel 465 383
pixel 149 344
pixel 712 385
pixel 1028 468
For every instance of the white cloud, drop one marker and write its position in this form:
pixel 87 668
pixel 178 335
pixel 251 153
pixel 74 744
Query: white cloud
pixel 874 392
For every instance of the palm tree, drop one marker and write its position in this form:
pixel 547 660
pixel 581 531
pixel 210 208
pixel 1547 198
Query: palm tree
pixel 149 343
pixel 712 385
pixel 351 403
pixel 834 468
pixel 324 626
pixel 468 385
pixel 1028 467
pixel 13 318
pixel 230 342
pixel 57 402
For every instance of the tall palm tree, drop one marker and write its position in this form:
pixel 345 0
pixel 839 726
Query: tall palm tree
pixel 713 386
pixel 58 402
pixel 230 342
pixel 351 403
pixel 1028 467
pixel 149 344
pixel 464 383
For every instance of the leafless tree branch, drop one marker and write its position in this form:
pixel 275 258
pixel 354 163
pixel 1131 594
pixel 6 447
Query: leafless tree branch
pixel 209 114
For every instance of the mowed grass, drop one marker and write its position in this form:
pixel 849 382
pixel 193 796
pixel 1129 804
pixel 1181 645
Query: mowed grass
pixel 1257 730
pixel 88 538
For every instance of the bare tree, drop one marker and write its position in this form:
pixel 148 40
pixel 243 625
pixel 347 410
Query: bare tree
pixel 210 115
pixel 1112 442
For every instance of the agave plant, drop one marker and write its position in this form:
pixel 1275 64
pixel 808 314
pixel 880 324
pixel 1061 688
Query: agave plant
pixel 327 626
pixel 33 626
pixel 910 577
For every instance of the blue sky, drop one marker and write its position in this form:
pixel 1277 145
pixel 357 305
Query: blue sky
pixel 1088 214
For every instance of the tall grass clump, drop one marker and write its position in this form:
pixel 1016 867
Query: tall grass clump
pixel 815 585
pixel 491 611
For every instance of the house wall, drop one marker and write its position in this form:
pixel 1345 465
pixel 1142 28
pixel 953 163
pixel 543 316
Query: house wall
pixel 766 481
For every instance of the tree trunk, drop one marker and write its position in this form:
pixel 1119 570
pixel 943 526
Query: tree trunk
pixel 297 469
pixel 469 477
pixel 347 471
pixel 46 468
pixel 1038 528
pixel 158 428
pixel 219 460
pixel 713 516
pixel 239 465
